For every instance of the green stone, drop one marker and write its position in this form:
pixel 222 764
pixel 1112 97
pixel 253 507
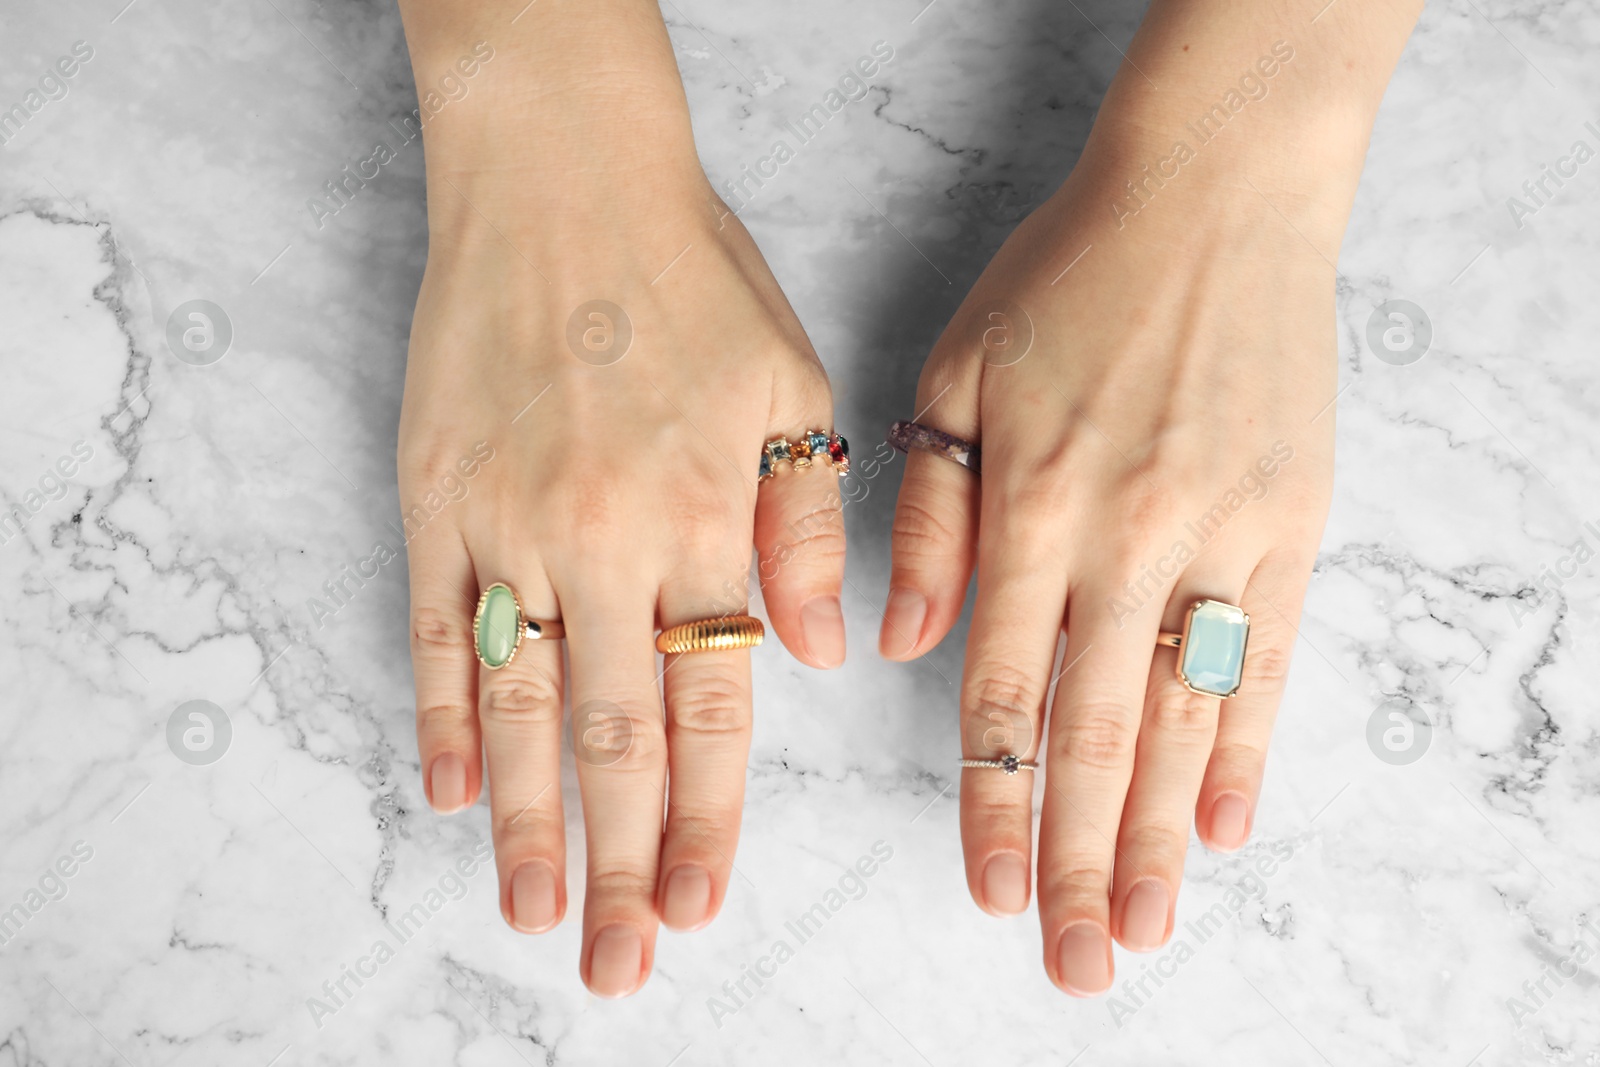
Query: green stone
pixel 1213 650
pixel 497 626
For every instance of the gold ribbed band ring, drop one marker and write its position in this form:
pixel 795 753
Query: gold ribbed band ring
pixel 711 635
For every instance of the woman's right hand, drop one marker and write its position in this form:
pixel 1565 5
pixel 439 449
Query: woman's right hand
pixel 613 450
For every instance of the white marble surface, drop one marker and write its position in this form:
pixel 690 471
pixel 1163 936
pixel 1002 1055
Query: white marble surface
pixel 176 563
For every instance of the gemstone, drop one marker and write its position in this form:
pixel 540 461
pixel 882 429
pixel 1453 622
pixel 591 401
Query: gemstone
pixel 801 448
pixel 838 448
pixel 779 449
pixel 818 442
pixel 1010 764
pixel 498 626
pixel 766 467
pixel 1212 657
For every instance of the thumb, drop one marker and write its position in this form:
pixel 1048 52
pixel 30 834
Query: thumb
pixel 936 517
pixel 799 530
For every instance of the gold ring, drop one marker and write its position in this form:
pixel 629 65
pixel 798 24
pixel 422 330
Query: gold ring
pixel 711 635
pixel 499 627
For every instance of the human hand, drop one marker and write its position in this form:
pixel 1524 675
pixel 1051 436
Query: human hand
pixel 1151 378
pixel 617 492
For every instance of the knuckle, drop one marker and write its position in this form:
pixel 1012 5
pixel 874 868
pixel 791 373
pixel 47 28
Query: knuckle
pixel 922 532
pixel 1001 711
pixel 624 882
pixel 812 390
pixel 586 506
pixel 705 524
pixel 1155 843
pixel 1035 518
pixel 1176 710
pixel 817 536
pixel 442 717
pixel 1240 759
pixel 1266 668
pixel 617 740
pixel 1000 686
pixel 1080 886
pixel 1146 510
pixel 433 630
pixel 711 707
pixel 1101 736
pixel 423 461
pixel 532 699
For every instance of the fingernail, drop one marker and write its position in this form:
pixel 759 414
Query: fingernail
pixel 822 629
pixel 688 897
pixel 533 898
pixel 1144 915
pixel 447 783
pixel 1005 883
pixel 1230 817
pixel 902 622
pixel 1083 956
pixel 614 961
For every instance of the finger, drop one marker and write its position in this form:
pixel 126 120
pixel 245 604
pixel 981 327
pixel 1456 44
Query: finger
pixel 799 537
pixel 617 737
pixel 1176 732
pixel 442 662
pixel 1272 598
pixel 1016 625
pixel 936 515
pixel 519 707
pixel 1094 722
pixel 708 747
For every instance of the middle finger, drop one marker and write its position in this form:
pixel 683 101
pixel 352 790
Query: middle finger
pixel 617 738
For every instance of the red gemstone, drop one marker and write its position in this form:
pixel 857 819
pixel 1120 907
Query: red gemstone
pixel 838 448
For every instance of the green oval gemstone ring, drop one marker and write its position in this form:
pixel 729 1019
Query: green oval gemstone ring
pixel 1211 648
pixel 499 627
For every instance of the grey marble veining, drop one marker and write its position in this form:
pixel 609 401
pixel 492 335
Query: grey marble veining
pixel 1430 912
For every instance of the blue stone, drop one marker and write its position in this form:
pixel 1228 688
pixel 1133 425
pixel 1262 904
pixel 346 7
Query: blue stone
pixel 819 444
pixel 766 466
pixel 1212 657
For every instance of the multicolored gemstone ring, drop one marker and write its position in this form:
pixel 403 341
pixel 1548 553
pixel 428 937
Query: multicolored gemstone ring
pixel 813 446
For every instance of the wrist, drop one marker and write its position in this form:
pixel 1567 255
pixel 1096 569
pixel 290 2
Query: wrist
pixel 559 117
pixel 1212 158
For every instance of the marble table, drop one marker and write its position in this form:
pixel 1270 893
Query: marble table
pixel 1424 882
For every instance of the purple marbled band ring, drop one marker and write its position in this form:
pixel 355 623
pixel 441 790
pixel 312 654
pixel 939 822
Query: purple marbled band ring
pixel 907 436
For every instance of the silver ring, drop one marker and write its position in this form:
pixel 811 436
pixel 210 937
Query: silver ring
pixel 1009 764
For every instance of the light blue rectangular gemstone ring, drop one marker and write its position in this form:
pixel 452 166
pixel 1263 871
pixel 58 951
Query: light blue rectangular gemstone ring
pixel 1211 656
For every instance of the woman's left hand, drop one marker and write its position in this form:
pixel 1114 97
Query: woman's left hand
pixel 1153 396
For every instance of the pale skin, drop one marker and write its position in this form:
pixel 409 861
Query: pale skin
pixel 1191 339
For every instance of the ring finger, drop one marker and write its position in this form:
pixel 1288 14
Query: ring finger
pixel 708 745
pixel 519 707
pixel 1176 733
